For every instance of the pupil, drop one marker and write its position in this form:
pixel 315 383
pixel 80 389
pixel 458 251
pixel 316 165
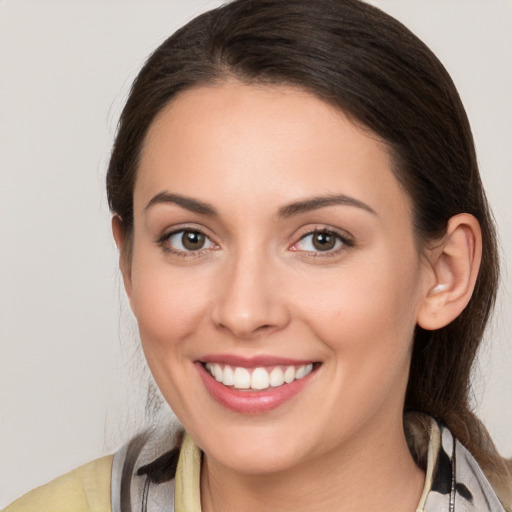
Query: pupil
pixel 324 241
pixel 192 240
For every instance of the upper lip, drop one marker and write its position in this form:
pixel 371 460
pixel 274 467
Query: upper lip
pixel 253 361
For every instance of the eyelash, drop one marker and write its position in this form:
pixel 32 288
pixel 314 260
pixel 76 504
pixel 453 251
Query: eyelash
pixel 342 241
pixel 166 247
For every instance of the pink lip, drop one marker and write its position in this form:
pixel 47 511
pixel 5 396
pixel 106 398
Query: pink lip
pixel 253 362
pixel 252 402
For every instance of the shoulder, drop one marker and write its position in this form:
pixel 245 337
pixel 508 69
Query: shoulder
pixel 85 489
pixel 139 476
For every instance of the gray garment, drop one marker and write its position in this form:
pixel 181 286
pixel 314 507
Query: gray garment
pixel 133 493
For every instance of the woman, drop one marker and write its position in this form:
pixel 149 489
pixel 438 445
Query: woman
pixel 307 249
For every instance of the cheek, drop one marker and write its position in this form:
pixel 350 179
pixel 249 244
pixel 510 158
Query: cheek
pixel 168 305
pixel 366 320
pixel 369 307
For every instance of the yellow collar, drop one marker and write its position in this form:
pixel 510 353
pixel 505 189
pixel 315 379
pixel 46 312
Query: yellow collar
pixel 187 494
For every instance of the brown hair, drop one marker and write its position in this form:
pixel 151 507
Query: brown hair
pixel 370 66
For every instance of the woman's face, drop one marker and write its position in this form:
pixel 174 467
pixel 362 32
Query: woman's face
pixel 273 247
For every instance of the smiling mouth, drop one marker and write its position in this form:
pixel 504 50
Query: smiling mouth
pixel 259 378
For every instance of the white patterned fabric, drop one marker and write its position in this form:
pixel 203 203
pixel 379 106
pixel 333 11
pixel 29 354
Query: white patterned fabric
pixel 454 481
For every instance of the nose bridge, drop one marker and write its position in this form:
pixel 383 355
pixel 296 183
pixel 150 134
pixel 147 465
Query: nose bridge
pixel 248 301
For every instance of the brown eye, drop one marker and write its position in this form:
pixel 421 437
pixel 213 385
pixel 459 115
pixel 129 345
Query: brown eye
pixel 193 240
pixel 186 241
pixel 324 241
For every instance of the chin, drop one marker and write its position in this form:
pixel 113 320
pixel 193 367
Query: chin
pixel 257 462
pixel 255 450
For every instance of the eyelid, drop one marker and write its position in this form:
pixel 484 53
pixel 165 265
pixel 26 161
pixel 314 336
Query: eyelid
pixel 161 240
pixel 344 237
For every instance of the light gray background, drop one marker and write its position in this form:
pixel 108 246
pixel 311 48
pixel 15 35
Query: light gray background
pixel 70 389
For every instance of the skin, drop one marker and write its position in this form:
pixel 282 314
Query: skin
pixel 259 287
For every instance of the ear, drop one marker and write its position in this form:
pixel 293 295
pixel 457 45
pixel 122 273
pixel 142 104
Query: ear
pixel 124 253
pixel 454 264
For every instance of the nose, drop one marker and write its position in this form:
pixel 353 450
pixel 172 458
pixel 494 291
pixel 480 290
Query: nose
pixel 249 302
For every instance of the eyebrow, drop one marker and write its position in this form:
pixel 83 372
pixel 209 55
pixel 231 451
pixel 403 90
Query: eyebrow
pixel 316 203
pixel 188 203
pixel 289 210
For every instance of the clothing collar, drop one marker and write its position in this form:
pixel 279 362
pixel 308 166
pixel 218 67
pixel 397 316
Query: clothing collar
pixel 188 475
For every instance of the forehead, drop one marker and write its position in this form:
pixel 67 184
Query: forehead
pixel 266 143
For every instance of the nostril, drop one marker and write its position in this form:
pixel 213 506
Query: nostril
pixel 267 328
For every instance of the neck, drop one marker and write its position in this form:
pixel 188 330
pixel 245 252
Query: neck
pixel 374 471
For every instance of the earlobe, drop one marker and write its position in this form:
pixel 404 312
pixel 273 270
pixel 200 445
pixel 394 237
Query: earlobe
pixel 124 262
pixel 455 264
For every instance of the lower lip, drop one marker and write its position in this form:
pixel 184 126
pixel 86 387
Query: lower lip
pixel 251 402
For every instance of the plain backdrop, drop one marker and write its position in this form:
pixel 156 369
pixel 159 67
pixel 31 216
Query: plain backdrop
pixel 71 383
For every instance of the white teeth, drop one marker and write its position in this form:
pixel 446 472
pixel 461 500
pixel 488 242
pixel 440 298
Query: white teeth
pixel 276 377
pixel 289 374
pixel 301 371
pixel 242 378
pixel 229 376
pixel 217 372
pixel 258 378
